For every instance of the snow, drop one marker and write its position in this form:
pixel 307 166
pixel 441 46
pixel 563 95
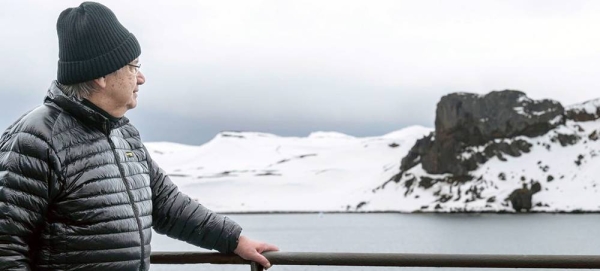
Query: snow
pixel 244 171
pixel 520 110
pixel 524 99
pixel 556 120
pixel 329 135
pixel 468 94
pixel 408 132
pixel 330 171
pixel 589 107
pixel 573 188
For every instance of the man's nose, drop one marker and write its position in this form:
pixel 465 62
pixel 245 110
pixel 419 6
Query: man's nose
pixel 141 79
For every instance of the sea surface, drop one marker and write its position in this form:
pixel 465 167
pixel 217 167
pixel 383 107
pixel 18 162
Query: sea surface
pixel 559 234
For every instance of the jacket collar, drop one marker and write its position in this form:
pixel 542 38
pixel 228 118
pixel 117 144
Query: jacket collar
pixel 82 112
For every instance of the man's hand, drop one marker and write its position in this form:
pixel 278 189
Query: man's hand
pixel 251 250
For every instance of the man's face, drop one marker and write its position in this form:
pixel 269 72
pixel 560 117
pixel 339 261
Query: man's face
pixel 122 86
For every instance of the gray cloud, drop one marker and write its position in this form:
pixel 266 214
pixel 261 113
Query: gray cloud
pixel 289 68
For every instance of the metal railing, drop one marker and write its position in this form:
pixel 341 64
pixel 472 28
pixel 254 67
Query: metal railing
pixel 386 259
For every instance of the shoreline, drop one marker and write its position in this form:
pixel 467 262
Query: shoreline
pixel 401 212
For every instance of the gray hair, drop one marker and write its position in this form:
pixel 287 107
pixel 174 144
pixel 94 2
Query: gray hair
pixel 79 91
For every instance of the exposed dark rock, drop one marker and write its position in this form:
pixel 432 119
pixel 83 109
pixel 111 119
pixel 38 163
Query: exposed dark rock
pixel 579 160
pixel 413 157
pixel 536 187
pixel 466 120
pixel 474 119
pixel 459 179
pixel 360 205
pixel 408 184
pixel 472 129
pixel 296 157
pixel 231 135
pixel 394 145
pixel 547 146
pixel 283 161
pixel 521 198
pixel 498 149
pixel 427 182
pixel 268 174
pixel 458 194
pixel 502 176
pixel 445 198
pixel 565 140
pixel 580 114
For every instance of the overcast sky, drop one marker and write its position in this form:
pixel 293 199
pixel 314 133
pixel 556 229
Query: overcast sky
pixel 292 67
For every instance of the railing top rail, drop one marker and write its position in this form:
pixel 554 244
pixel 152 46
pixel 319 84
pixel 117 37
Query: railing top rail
pixel 389 259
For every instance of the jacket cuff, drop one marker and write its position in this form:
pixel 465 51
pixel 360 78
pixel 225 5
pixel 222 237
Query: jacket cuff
pixel 234 238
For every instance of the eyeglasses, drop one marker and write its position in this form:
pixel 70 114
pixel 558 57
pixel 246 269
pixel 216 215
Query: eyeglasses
pixel 136 68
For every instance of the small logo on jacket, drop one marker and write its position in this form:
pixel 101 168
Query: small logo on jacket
pixel 129 154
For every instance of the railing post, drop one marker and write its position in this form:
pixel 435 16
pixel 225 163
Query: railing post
pixel 256 267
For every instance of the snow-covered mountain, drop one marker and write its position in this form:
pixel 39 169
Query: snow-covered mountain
pixel 246 171
pixel 569 176
pixel 329 171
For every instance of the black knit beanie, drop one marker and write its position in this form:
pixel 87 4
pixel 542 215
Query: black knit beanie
pixel 92 43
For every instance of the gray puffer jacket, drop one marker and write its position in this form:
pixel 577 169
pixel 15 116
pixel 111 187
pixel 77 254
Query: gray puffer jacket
pixel 79 192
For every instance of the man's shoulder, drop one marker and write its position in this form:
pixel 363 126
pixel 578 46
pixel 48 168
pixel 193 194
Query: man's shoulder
pixel 37 122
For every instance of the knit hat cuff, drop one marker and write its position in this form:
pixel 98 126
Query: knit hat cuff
pixel 74 72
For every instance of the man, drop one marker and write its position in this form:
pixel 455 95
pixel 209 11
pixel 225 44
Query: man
pixel 78 189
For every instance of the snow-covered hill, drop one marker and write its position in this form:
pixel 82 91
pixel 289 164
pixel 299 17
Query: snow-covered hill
pixel 245 171
pixel 328 171
pixel 569 176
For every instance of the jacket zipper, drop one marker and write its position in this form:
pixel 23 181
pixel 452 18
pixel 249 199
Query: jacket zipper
pixel 131 200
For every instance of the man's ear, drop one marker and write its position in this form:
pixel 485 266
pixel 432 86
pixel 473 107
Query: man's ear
pixel 101 82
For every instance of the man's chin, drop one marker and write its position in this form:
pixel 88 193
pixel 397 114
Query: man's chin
pixel 132 105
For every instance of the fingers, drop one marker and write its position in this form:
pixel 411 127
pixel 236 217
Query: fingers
pixel 261 260
pixel 268 247
pixel 251 250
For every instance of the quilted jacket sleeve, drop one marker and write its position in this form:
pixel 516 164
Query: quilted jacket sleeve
pixel 178 216
pixel 24 197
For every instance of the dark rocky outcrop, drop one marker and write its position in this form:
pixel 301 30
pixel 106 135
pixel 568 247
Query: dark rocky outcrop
pixel 465 120
pixel 471 129
pixel 521 198
pixel 578 113
pixel 565 140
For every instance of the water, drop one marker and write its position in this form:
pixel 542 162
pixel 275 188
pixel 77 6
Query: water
pixel 577 234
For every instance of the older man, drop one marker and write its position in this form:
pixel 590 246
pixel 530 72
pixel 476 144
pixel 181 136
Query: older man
pixel 78 189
